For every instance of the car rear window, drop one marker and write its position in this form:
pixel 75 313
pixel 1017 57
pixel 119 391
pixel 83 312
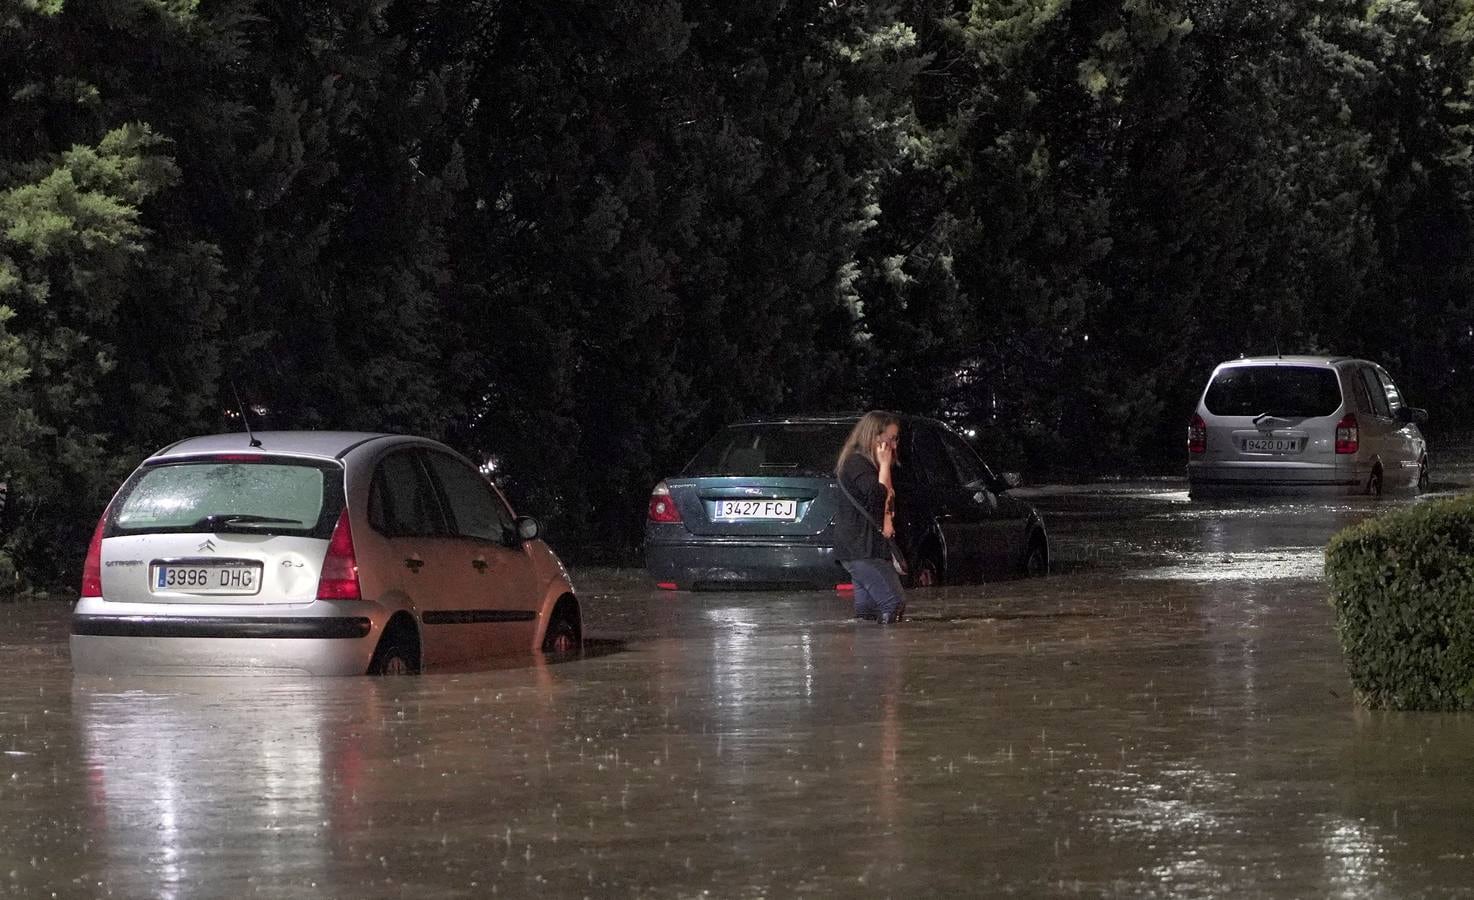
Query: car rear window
pixel 271 496
pixel 784 448
pixel 1294 392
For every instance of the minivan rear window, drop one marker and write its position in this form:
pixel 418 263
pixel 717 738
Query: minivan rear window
pixel 1292 392
pixel 270 496
pixel 778 448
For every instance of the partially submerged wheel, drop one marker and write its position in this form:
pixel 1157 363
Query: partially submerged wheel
pixel 1036 561
pixel 565 631
pixel 927 572
pixel 398 652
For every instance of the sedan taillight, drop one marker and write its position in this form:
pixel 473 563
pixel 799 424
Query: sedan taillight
pixel 663 506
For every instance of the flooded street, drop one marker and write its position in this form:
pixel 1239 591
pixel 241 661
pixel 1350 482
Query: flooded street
pixel 1166 715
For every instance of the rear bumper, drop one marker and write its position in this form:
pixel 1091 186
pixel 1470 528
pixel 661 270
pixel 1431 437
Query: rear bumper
pixel 715 565
pixel 133 639
pixel 1220 476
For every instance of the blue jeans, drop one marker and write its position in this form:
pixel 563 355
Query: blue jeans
pixel 877 587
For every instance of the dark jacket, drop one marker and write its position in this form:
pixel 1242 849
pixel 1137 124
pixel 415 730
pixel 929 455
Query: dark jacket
pixel 854 536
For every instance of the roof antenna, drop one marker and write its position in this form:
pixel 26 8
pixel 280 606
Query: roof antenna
pixel 245 419
pixel 1277 346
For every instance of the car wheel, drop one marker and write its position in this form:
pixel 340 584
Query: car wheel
pixel 397 654
pixel 1374 483
pixel 928 571
pixel 1036 562
pixel 564 634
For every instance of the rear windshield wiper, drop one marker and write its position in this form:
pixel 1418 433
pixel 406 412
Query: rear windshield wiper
pixel 217 519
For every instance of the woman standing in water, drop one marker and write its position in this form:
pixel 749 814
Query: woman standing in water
pixel 865 524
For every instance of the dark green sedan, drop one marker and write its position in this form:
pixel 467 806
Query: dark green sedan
pixel 755 508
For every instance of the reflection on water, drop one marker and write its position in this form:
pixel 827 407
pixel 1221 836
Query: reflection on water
pixel 183 771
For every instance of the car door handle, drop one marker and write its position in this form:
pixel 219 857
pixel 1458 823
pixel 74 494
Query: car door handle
pixel 413 564
pixel 479 565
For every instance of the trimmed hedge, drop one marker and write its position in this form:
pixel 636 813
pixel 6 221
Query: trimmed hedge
pixel 1402 586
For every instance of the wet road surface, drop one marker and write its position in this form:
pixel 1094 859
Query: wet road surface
pixel 1167 715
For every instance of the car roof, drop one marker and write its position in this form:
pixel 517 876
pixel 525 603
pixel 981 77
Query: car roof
pixel 829 418
pixel 316 444
pixel 800 419
pixel 1291 360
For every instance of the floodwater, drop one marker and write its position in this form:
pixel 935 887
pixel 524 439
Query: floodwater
pixel 1167 715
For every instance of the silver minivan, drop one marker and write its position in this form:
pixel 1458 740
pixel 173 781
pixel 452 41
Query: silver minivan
pixel 324 553
pixel 1304 424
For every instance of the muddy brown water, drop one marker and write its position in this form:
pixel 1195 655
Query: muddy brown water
pixel 1168 715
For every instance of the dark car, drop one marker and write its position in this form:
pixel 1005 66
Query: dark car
pixel 756 507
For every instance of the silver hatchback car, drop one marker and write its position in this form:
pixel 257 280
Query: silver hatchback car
pixel 1304 424
pixel 326 553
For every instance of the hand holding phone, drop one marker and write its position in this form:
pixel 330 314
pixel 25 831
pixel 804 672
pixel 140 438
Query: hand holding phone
pixel 884 453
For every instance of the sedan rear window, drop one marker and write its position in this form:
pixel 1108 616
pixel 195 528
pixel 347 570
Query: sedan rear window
pixel 265 496
pixel 1292 392
pixel 781 448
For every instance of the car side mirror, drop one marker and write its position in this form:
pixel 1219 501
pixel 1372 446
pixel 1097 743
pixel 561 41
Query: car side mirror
pixel 527 529
pixel 1011 480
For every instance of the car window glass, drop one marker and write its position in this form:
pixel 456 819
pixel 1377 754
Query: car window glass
pixel 475 509
pixel 401 499
pixel 776 448
pixel 1297 392
pixel 1359 391
pixel 1378 394
pixel 1394 397
pixel 969 468
pixel 265 496
pixel 930 457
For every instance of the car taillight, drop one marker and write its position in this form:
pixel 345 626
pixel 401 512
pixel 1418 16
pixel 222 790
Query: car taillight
pixel 662 506
pixel 1348 435
pixel 1197 435
pixel 92 568
pixel 339 579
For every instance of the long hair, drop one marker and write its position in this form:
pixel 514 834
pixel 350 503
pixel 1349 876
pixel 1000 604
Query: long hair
pixel 864 436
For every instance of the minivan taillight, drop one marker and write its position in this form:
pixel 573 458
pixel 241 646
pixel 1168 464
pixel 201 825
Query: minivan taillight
pixel 1348 435
pixel 1197 435
pixel 339 579
pixel 92 568
pixel 663 506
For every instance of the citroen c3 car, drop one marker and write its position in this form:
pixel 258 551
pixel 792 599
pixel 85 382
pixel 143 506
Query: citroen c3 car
pixel 324 553
pixel 1304 424
pixel 755 508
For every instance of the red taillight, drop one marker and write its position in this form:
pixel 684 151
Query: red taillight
pixel 1197 435
pixel 844 588
pixel 667 585
pixel 339 579
pixel 92 568
pixel 1348 435
pixel 662 506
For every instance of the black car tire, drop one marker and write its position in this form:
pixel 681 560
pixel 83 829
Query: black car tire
pixel 926 571
pixel 564 634
pixel 1036 559
pixel 395 655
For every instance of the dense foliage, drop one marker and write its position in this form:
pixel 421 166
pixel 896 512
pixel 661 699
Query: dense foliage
pixel 1403 589
pixel 574 237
